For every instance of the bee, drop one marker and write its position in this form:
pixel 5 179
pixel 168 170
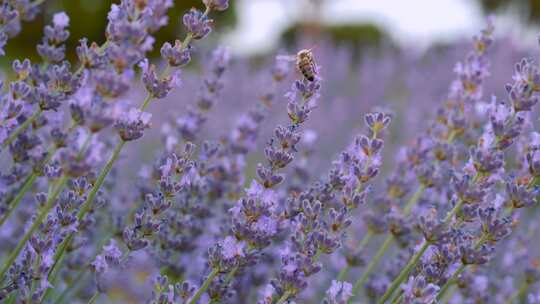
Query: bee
pixel 305 63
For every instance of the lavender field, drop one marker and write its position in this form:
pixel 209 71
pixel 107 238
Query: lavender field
pixel 203 176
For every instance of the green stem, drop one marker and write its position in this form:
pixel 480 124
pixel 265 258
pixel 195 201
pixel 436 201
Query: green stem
pixel 94 298
pixel 54 274
pixel 371 266
pixel 363 243
pixel 37 261
pixel 12 298
pixel 21 128
pixel 71 287
pixel 398 297
pixel 452 136
pixel 204 286
pixel 519 293
pixel 93 192
pixel 388 241
pixel 48 206
pixel 404 273
pixel 446 298
pixel 461 268
pixel 228 279
pixel 343 273
pixel 86 206
pixel 103 174
pixel 450 281
pixel 28 183
pixel 231 275
pixel 453 212
pixel 18 198
pixel 284 297
pixel 413 200
pixel 146 102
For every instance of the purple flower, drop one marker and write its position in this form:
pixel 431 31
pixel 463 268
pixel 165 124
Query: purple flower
pixel 197 24
pixel 177 55
pixel 232 248
pixel 417 290
pixel 131 126
pixel 158 87
pixel 338 293
pixel 100 264
pixel 60 20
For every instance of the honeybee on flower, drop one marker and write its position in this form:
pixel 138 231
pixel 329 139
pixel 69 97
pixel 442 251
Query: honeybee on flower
pixel 305 63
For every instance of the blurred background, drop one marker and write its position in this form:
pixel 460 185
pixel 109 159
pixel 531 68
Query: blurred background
pixel 256 27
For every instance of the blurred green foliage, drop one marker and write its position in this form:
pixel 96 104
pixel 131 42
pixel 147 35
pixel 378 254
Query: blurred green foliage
pixel 356 36
pixel 526 11
pixel 89 19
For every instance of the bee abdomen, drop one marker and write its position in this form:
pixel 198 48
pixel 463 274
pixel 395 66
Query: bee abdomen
pixel 308 76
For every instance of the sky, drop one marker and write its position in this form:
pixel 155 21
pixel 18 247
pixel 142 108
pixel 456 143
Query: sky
pixel 409 22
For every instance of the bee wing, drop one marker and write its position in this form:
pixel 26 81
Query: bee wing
pixel 286 57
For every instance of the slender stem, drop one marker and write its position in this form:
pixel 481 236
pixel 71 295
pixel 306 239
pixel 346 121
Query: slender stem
pixel 284 297
pixel 53 274
pixel 450 281
pixel 388 241
pixel 374 262
pixel 343 273
pixel 85 146
pixel 452 136
pixel 52 277
pixel 93 192
pixel 12 298
pixel 29 182
pixel 413 200
pixel 48 206
pixel 103 174
pixel 94 298
pixel 101 178
pixel 37 261
pixel 363 243
pixel 86 206
pixel 404 273
pixel 18 198
pixel 146 102
pixel 461 268
pixel 21 128
pixel 51 200
pixel 204 286
pixel 446 298
pixel 228 279
pixel 453 212
pixel 231 275
pixel 68 289
pixel 519 293
pixel 398 297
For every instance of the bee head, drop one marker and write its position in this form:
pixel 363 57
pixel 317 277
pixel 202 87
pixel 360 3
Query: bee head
pixel 304 54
